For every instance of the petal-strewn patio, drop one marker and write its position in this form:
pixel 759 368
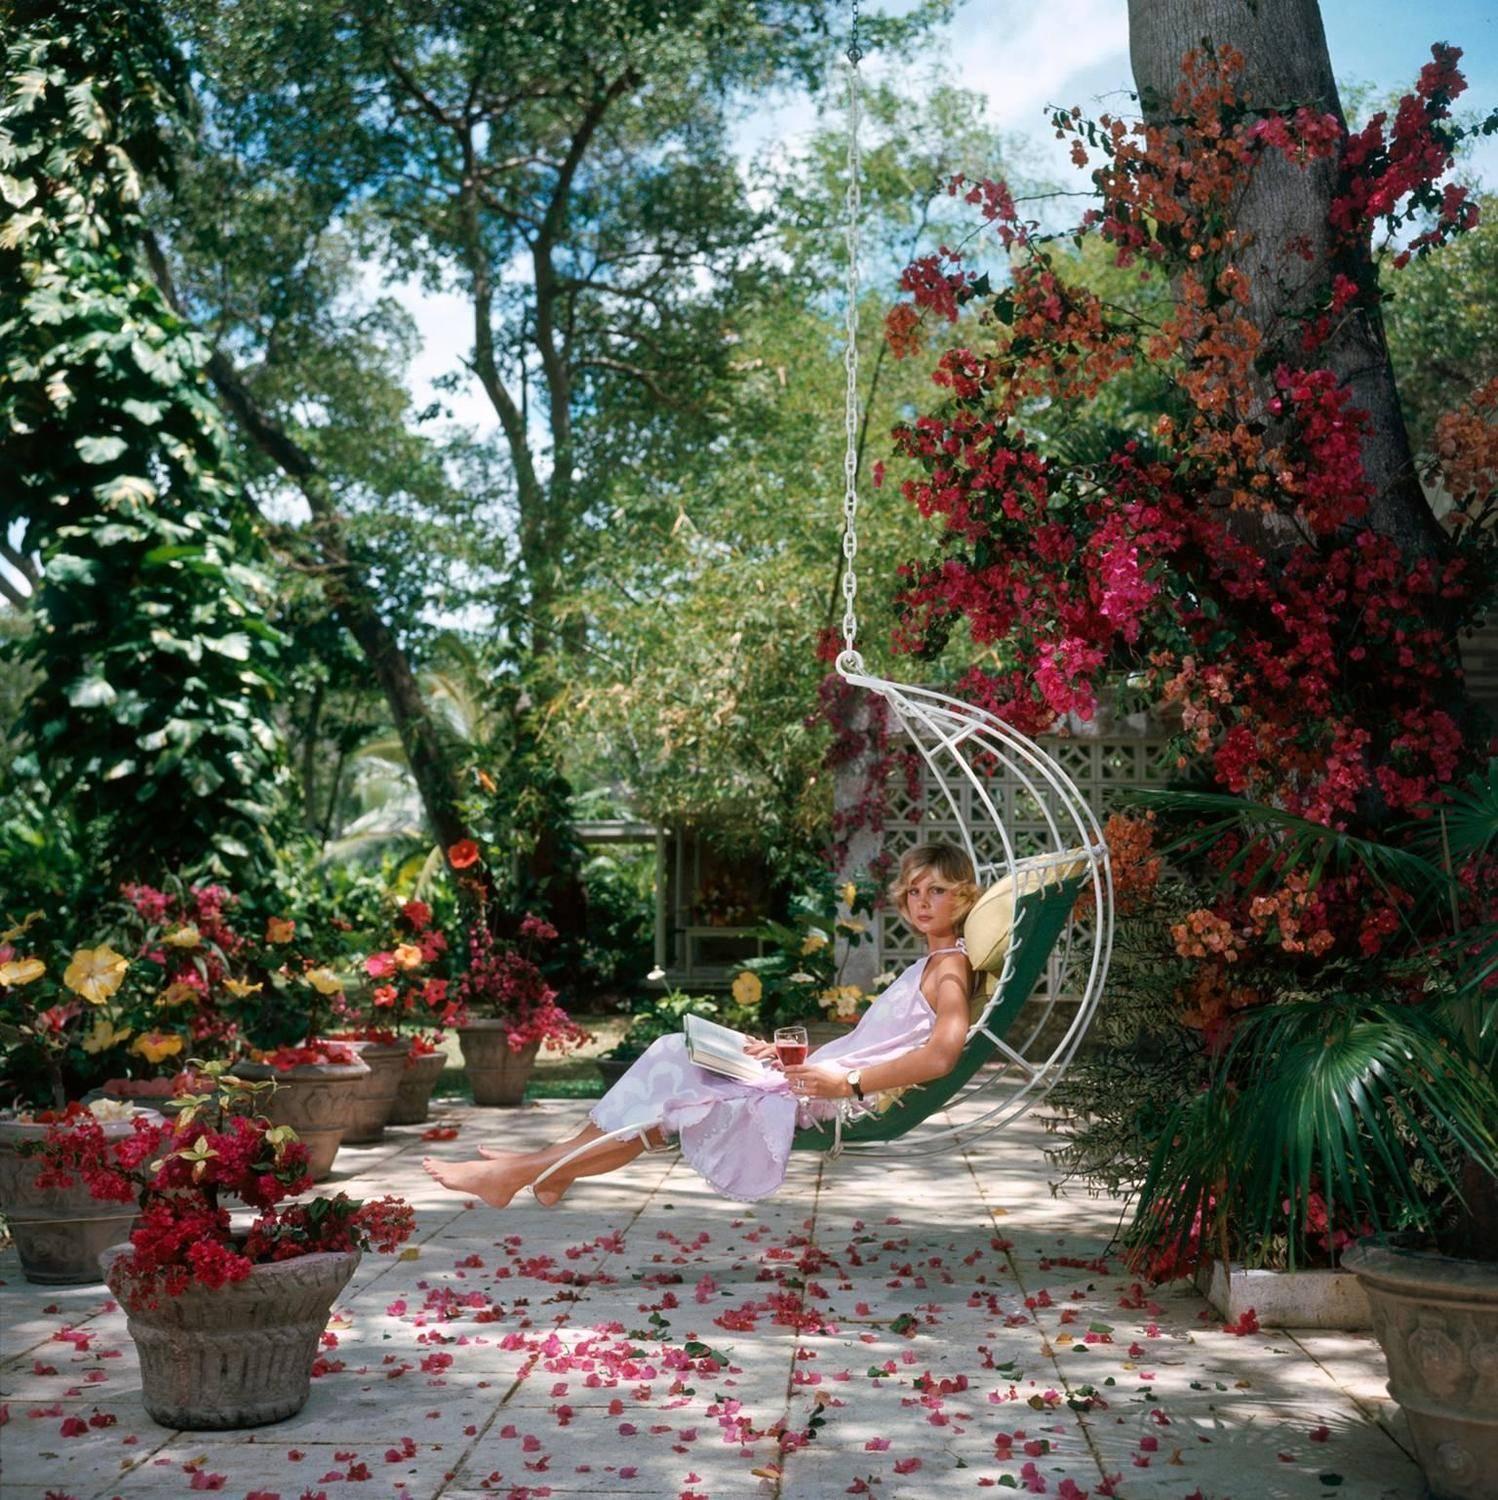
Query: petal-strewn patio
pixel 902 1327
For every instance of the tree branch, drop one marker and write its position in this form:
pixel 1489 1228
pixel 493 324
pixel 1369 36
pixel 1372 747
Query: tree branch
pixel 21 562
pixel 646 377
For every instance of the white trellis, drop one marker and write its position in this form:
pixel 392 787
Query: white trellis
pixel 1100 760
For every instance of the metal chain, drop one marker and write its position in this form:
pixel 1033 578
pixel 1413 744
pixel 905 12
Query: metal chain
pixel 848 659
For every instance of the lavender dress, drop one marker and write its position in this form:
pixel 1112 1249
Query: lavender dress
pixel 738 1135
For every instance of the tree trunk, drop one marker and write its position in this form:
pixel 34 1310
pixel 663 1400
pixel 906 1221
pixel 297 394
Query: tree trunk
pixel 1285 212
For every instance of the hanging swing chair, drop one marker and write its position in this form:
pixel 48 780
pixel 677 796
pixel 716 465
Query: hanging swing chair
pixel 985 779
pixel 1047 892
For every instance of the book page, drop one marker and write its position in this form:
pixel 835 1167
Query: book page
pixel 720 1049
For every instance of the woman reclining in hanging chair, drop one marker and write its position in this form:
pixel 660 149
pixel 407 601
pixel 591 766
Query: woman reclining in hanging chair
pixel 738 1135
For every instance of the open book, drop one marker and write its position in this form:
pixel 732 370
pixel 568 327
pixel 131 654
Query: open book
pixel 720 1049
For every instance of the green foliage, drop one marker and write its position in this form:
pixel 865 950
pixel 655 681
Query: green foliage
pixel 656 1016
pixel 1442 323
pixel 1140 1060
pixel 154 665
pixel 800 974
pixel 620 944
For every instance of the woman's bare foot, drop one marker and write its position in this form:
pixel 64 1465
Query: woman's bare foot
pixel 491 1155
pixel 495 1182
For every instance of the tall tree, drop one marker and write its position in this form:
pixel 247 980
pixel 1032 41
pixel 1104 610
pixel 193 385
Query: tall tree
pixel 567 171
pixel 154 667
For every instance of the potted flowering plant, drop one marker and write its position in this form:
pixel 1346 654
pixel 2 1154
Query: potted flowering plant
pixel 507 1011
pixel 398 992
pixel 56 1013
pixel 226 1321
pixel 318 1081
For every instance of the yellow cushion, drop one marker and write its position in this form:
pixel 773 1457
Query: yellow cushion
pixel 989 926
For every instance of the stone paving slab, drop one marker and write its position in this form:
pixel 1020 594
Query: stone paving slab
pixel 905 1326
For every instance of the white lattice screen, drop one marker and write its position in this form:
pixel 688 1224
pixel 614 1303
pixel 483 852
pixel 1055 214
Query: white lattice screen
pixel 1098 765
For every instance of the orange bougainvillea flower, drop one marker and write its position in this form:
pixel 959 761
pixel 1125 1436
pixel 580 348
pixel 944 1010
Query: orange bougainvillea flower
pixel 279 929
pixel 463 854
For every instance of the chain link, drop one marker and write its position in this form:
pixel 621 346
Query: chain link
pixel 849 659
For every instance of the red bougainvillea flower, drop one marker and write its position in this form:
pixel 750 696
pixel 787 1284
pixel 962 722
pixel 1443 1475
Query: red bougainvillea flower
pixel 463 854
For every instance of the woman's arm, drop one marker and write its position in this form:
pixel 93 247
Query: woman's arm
pixel 945 985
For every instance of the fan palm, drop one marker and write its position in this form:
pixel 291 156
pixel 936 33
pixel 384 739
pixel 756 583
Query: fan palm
pixel 1386 1108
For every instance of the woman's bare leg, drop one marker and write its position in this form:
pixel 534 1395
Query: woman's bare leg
pixel 500 1175
pixel 592 1164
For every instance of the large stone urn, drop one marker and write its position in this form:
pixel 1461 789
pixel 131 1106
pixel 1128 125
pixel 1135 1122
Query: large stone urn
pixel 375 1097
pixel 315 1099
pixel 498 1075
pixel 59 1232
pixel 413 1099
pixel 232 1356
pixel 1437 1319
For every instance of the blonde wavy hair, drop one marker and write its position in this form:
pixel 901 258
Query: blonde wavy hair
pixel 946 861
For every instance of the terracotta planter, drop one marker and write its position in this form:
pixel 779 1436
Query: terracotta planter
pixel 375 1097
pixel 1437 1319
pixel 413 1098
pixel 315 1099
pixel 498 1075
pixel 59 1232
pixel 235 1356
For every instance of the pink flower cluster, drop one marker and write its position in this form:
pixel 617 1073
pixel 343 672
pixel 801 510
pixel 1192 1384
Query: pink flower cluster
pixel 505 984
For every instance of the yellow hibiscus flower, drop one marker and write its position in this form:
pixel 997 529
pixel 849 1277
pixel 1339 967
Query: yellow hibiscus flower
pixel 156 1045
pixel 814 941
pixel 407 955
pixel 185 936
pixel 21 971
pixel 106 1034
pixel 239 988
pixel 747 988
pixel 849 893
pixel 324 981
pixel 95 973
pixel 279 929
pixel 178 993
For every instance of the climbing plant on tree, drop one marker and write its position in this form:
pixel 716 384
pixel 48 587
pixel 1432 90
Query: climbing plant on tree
pixel 1261 561
pixel 153 667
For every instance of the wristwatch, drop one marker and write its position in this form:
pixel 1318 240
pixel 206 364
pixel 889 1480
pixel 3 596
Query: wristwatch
pixel 855 1082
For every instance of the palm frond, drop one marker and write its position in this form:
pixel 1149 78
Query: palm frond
pixel 1298 843
pixel 1342 1089
pixel 1465 825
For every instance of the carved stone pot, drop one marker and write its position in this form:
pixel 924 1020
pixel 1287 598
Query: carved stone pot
pixel 413 1098
pixel 315 1099
pixel 498 1075
pixel 375 1097
pixel 59 1232
pixel 1437 1319
pixel 232 1356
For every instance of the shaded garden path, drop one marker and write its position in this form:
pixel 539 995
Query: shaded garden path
pixel 865 1312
